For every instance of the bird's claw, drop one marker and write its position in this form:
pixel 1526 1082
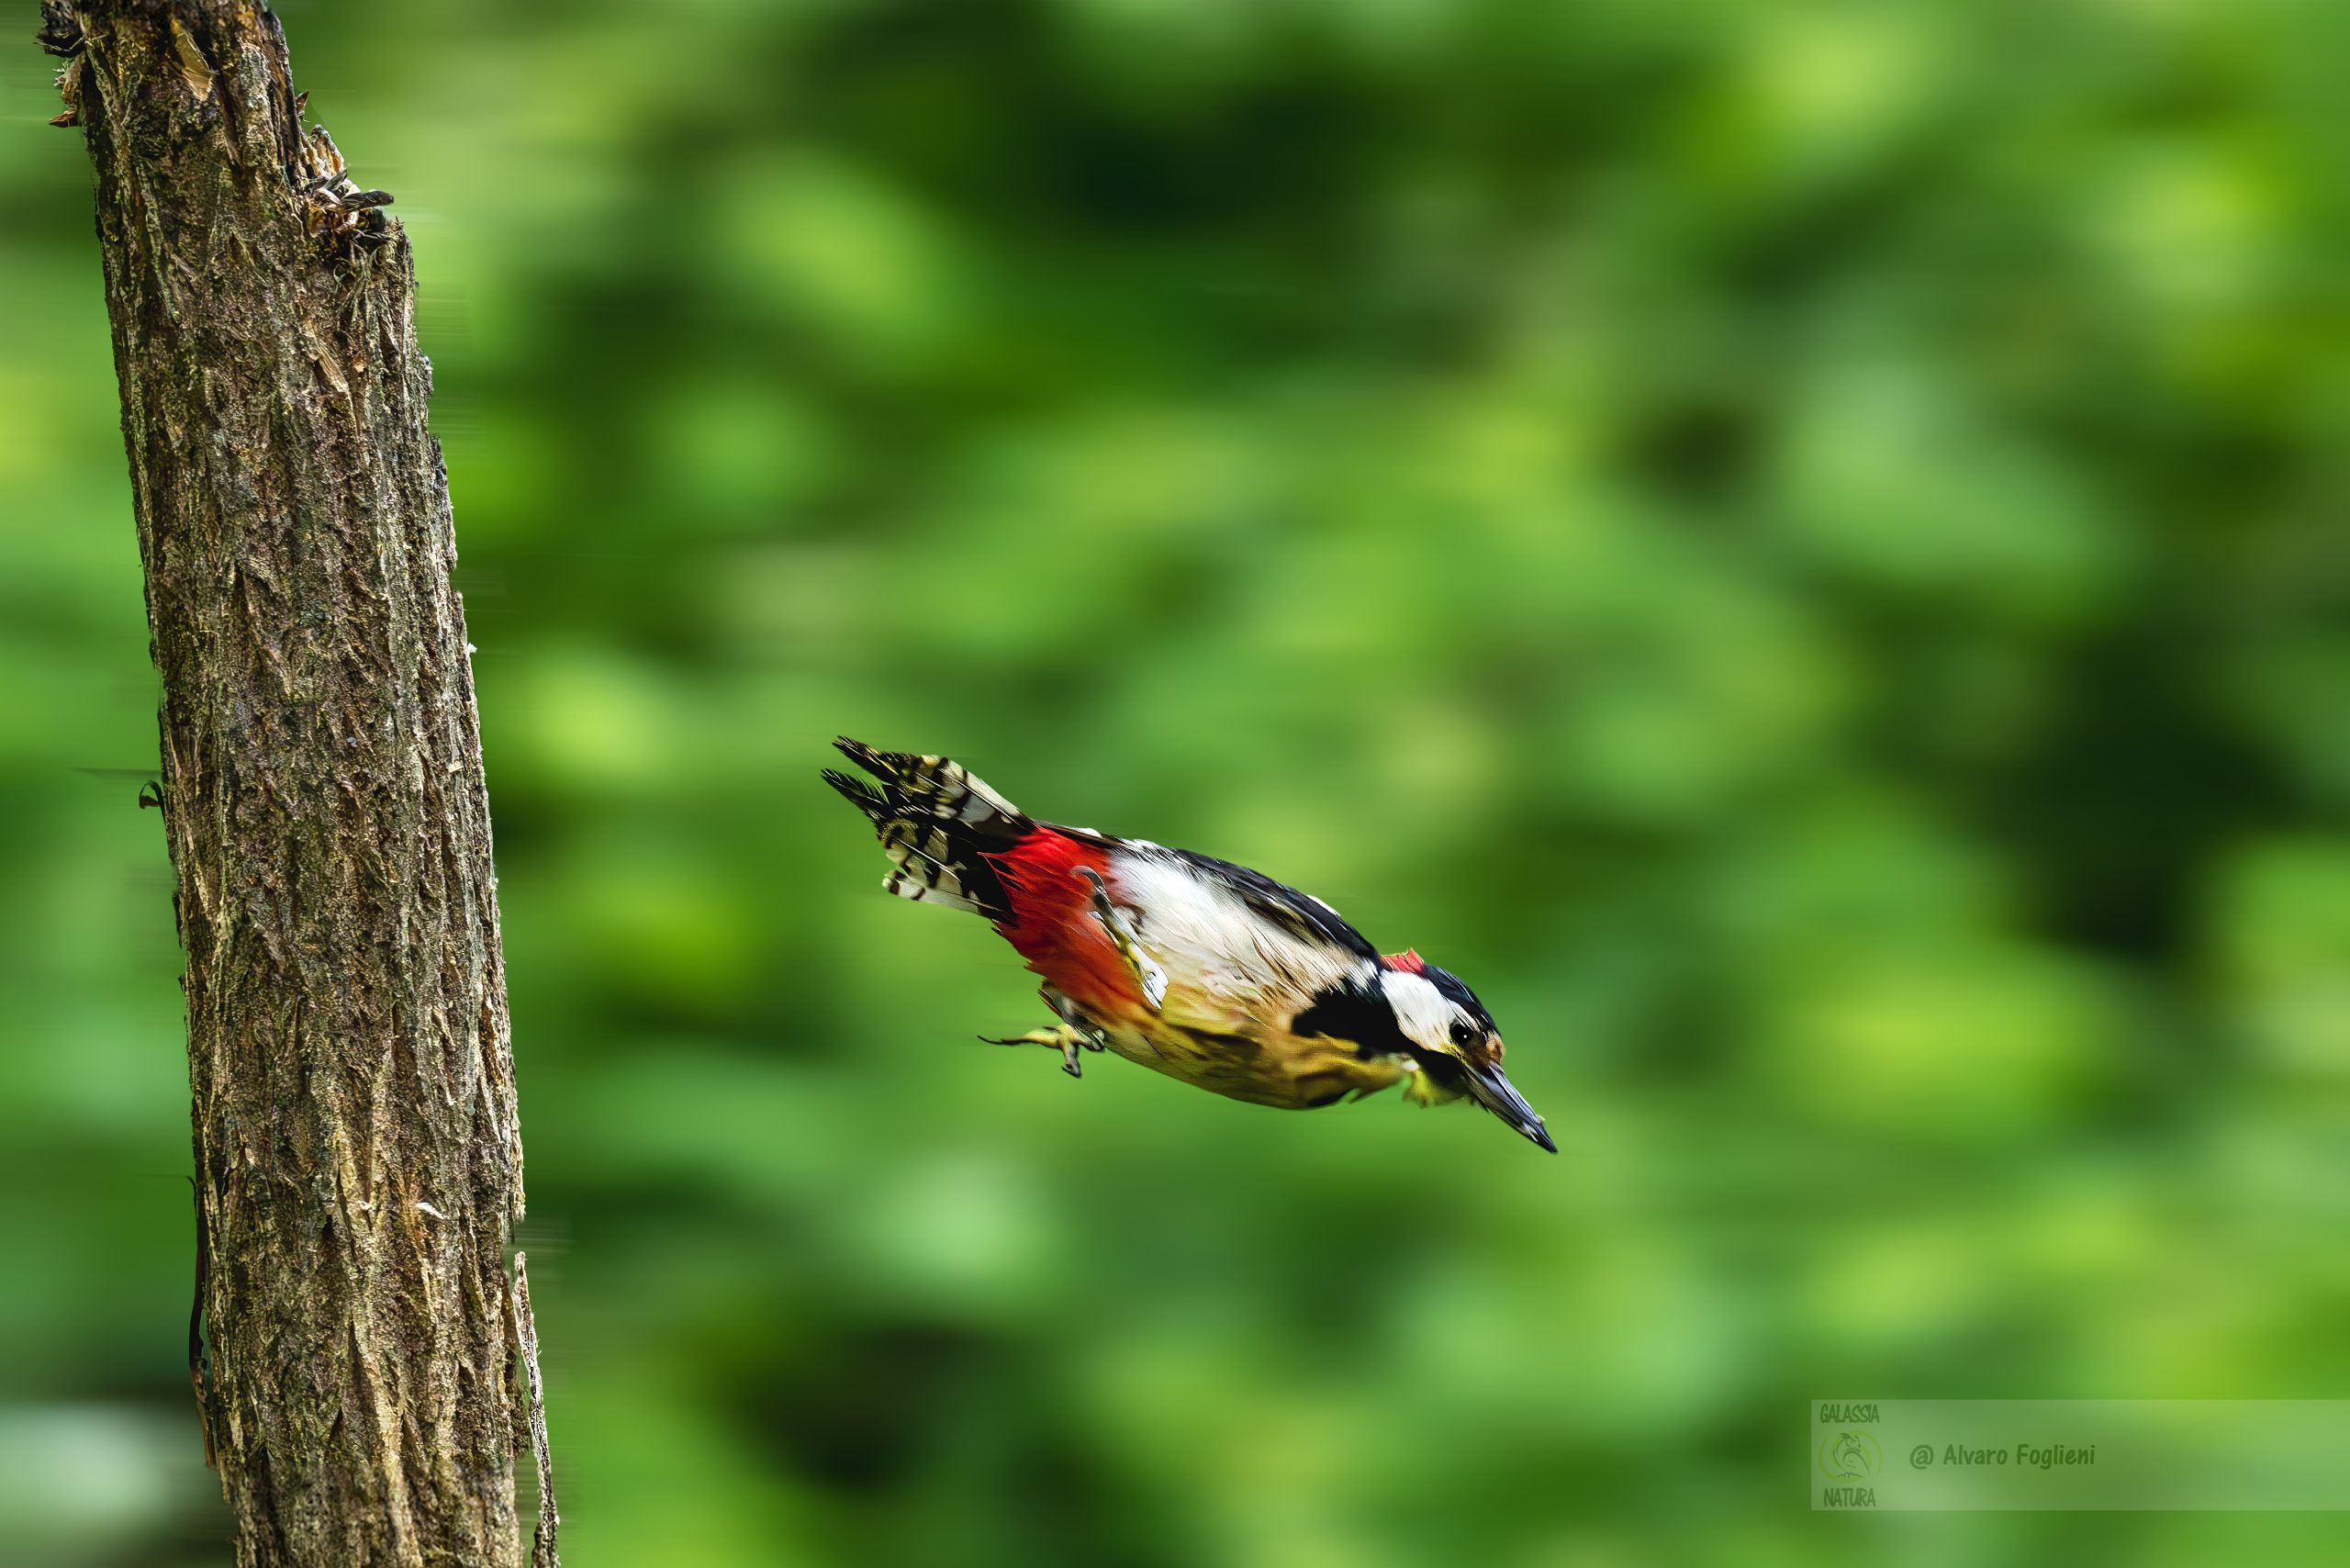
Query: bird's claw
pixel 1068 1039
pixel 1146 972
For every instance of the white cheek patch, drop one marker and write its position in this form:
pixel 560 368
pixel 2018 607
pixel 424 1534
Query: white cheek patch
pixel 1421 1010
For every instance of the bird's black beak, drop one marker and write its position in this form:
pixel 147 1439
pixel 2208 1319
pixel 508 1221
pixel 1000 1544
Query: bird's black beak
pixel 1490 1089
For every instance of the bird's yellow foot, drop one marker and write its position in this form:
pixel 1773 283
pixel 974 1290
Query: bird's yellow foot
pixel 1066 1039
pixel 1148 974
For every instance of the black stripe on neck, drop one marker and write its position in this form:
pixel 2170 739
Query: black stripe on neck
pixel 1359 1015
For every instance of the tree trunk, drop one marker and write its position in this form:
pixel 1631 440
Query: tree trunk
pixel 359 1167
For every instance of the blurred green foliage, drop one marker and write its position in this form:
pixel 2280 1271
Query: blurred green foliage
pixel 1799 547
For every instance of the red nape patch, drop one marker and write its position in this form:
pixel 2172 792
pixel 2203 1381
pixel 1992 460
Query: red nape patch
pixel 1052 923
pixel 1408 962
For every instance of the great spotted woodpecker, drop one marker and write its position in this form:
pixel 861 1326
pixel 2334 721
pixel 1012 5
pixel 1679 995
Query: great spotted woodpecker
pixel 1205 970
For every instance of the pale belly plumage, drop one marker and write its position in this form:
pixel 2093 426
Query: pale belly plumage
pixel 1260 1062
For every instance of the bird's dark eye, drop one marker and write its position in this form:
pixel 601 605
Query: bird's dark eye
pixel 1464 1034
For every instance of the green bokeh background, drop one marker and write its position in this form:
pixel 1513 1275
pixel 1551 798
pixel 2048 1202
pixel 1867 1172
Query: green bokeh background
pixel 1801 548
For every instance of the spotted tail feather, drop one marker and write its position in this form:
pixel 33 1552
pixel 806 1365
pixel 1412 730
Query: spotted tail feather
pixel 937 823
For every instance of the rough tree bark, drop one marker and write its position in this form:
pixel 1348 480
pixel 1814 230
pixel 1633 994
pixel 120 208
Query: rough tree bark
pixel 371 1369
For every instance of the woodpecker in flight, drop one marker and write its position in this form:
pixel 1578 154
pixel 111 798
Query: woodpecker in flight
pixel 1205 970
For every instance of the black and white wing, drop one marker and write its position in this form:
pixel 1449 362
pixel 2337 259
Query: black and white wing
pixel 1239 948
pixel 1301 915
